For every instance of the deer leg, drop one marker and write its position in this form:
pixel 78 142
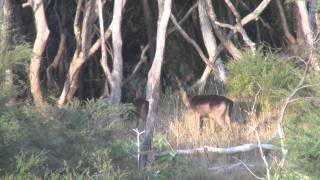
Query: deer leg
pixel 201 122
pixel 221 123
pixel 228 121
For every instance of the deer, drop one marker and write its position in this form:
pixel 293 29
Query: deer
pixel 214 107
pixel 141 105
pixel 142 108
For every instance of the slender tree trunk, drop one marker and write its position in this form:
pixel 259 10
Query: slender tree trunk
pixel 6 41
pixel 232 49
pixel 284 25
pixel 154 74
pixel 104 57
pixel 116 75
pixel 56 65
pixel 209 41
pixel 149 26
pixel 1 10
pixel 83 40
pixel 314 7
pixel 307 32
pixel 38 50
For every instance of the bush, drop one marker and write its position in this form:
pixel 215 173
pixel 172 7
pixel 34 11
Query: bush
pixel 274 76
pixel 69 143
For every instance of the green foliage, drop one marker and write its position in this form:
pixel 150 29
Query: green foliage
pixel 303 139
pixel 19 53
pixel 70 143
pixel 169 167
pixel 274 76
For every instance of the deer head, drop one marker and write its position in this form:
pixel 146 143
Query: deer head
pixel 214 107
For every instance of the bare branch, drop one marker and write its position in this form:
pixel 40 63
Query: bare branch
pixel 256 13
pixel 250 171
pixel 239 26
pixel 229 150
pixel 283 110
pixel 235 52
pixel 143 59
pixel 191 41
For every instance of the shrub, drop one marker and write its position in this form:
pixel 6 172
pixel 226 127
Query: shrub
pixel 274 76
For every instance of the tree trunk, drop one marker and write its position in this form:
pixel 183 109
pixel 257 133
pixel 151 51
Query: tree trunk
pixel 149 26
pixel 7 24
pixel 38 50
pixel 84 40
pixel 116 75
pixel 307 32
pixel 314 6
pixel 1 10
pixel 104 57
pixel 235 52
pixel 209 42
pixel 154 74
pixel 284 25
pixel 56 65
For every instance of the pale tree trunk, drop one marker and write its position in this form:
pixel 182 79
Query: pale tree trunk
pixel 104 57
pixel 231 48
pixel 154 74
pixel 307 32
pixel 1 10
pixel 314 7
pixel 83 40
pixel 38 50
pixel 116 75
pixel 209 42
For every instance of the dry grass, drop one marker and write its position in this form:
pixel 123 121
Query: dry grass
pixel 181 128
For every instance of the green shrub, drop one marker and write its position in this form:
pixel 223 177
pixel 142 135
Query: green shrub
pixel 70 143
pixel 276 78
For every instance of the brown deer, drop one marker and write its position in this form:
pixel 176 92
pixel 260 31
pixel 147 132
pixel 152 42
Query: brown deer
pixel 214 107
pixel 142 107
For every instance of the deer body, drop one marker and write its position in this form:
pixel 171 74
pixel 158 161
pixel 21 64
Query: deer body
pixel 214 107
pixel 142 107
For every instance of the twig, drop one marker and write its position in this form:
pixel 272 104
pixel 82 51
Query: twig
pixel 143 59
pixel 191 41
pixel 263 157
pixel 229 167
pixel 283 109
pixel 250 171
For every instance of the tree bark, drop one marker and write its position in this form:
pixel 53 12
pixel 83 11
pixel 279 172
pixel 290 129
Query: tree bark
pixel 314 6
pixel 235 53
pixel 154 74
pixel 209 42
pixel 284 25
pixel 307 32
pixel 60 56
pixel 104 57
pixel 38 50
pixel 1 10
pixel 117 74
pixel 83 40
pixel 149 26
